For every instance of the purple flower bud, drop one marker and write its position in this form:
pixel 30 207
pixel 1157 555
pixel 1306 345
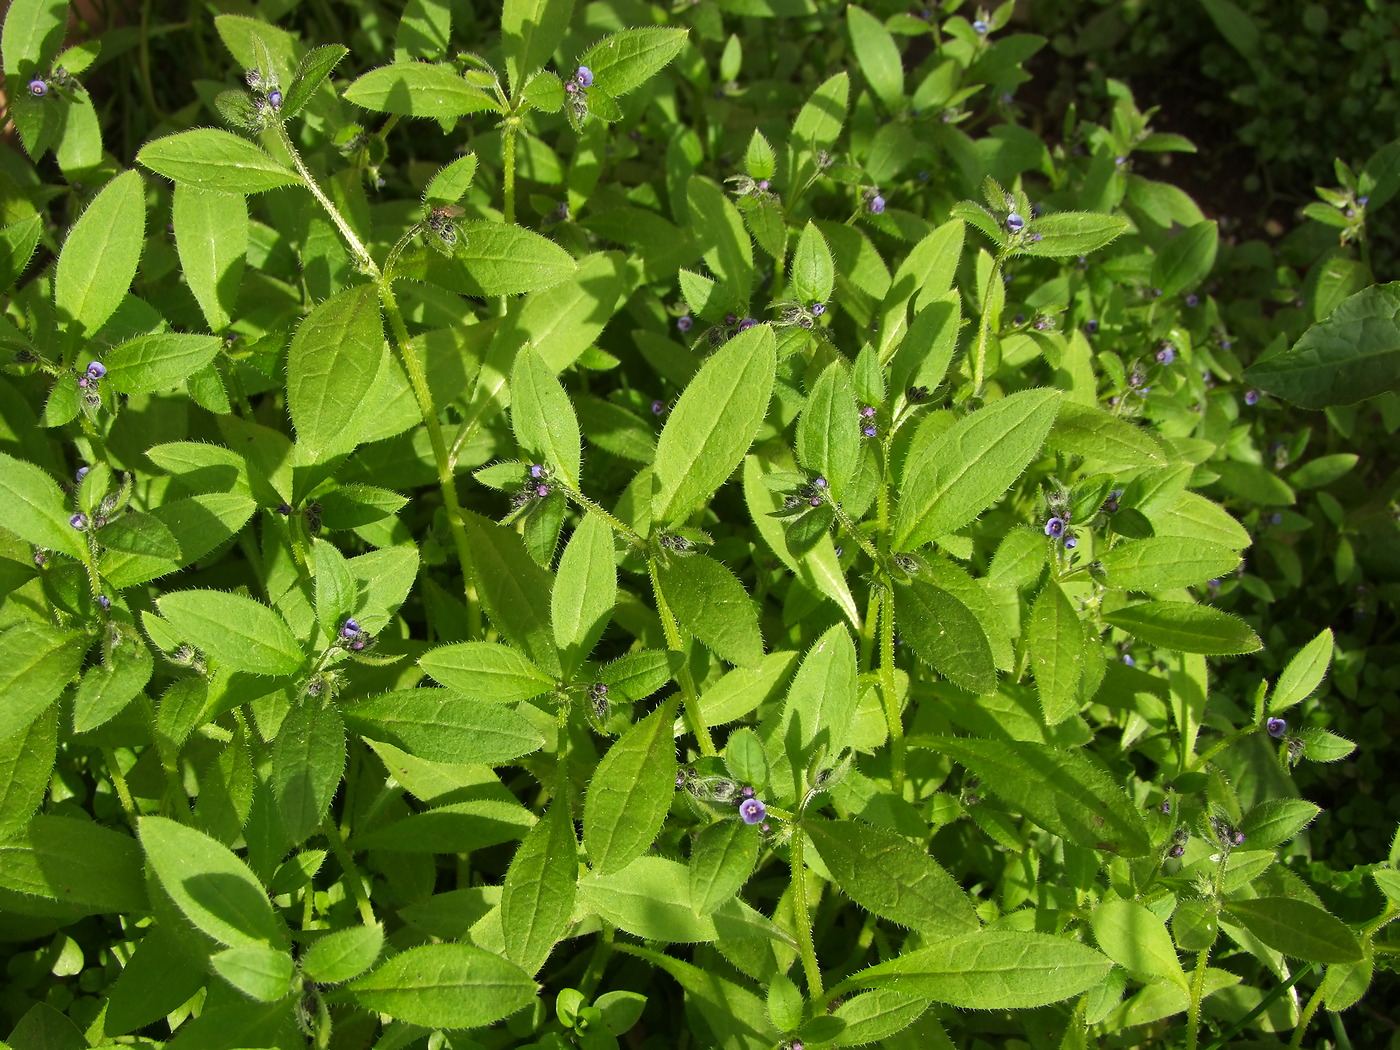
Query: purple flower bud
pixel 82 473
pixel 867 411
pixel 1276 518
pixel 762 185
pixel 1035 237
pixel 536 470
pixel 104 602
pixel 876 205
pixel 1236 837
pixel 38 88
pixel 815 501
pixel 1071 541
pixel 274 97
pixel 78 521
pixel 541 490
pixel 1166 355
pixel 1192 299
pixel 1251 397
pixel 747 323
pixel 83 382
pixel 1362 201
pixel 657 407
pixel 1055 527
pixel 1014 222
pixel 1091 326
pixel 1166 807
pixel 1111 504
pixel 283 508
pixel 357 644
pixel 1176 850
pixel 747 792
pixel 1276 727
pixel 349 628
pixel 820 483
pixel 1128 660
pixel 684 322
pixel 869 431
pixel 584 76
pixel 752 810
pixel 571 87
pixel 980 27
pixel 818 309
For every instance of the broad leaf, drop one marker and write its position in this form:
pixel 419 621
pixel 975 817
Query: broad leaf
pixel 418 89
pixel 239 633
pixel 630 792
pixel 442 725
pixel 1187 628
pixel 332 363
pixel 207 158
pixel 98 259
pixel 445 986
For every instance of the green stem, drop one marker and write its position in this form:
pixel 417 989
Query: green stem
pixel 597 963
pixel 512 125
pixel 1314 1002
pixel 868 628
pixel 617 524
pixel 1193 1008
pixel 1259 1011
pixel 118 779
pixel 806 945
pixel 1219 746
pixel 984 332
pixel 361 253
pixel 893 716
pixel 353 880
pixel 694 722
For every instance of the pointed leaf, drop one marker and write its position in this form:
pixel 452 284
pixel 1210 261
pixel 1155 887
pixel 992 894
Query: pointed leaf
pixel 239 633
pixel 98 259
pixel 631 791
pixel 208 158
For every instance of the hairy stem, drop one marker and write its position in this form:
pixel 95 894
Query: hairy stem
pixel 353 880
pixel 512 126
pixel 352 239
pixel 1193 1007
pixel 1314 1001
pixel 694 722
pixel 806 945
pixel 893 716
pixel 984 332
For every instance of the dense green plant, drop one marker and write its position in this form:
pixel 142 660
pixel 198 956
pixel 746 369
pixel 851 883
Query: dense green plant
pixel 686 533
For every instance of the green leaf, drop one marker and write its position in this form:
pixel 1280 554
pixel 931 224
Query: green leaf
pixel 890 876
pixel 1106 442
pixel 813 271
pixel 1167 561
pixel 1055 645
pixel 211 235
pixel 331 365
pixel 719 230
pixel 1187 628
pixel 821 701
pixel 625 60
pixel 26 762
pixel 631 791
pixel 212 887
pixel 759 160
pixel 33 35
pixel 1276 820
pixel 308 760
pixel 713 423
pixel 968 467
pixel 486 671
pixel 451 182
pixel 585 591
pixel 709 601
pixel 537 900
pixel 32 506
pixel 1303 673
pixel 1323 470
pixel 259 972
pixel 1137 940
pixel 239 633
pixel 946 634
pixel 76 862
pixel 418 89
pixel 514 589
pixel 1321 746
pixel 721 861
pixel 650 898
pixel 530 31
pixel 1351 355
pixel 441 725
pixel 445 986
pixel 992 970
pixel 199 524
pixel 215 160
pixel 543 416
pixel 17 243
pixel 1295 928
pixel 450 827
pixel 36 662
pixel 336 597
pixel 1062 791
pixel 877 1014
pixel 828 434
pixel 509 260
pixel 139 533
pixel 879 59
pixel 1186 259
pixel 98 259
pixel 158 362
pixel 818 123
pixel 311 72
pixel 1070 233
pixel 343 954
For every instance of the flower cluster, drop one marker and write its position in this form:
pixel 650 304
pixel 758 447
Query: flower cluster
pixel 352 637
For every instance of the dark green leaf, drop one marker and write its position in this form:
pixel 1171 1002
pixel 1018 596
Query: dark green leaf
pixel 630 792
pixel 443 726
pixel 1296 928
pixel 445 986
pixel 486 671
pixel 709 601
pixel 239 633
pixel 538 898
pixel 1187 628
pixel 418 89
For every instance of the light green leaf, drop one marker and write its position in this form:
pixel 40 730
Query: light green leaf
pixel 331 365
pixel 819 121
pixel 1296 928
pixel 630 792
pixel 1055 644
pixel 239 633
pixel 721 861
pixel 878 57
pixel 719 230
pixel 311 72
pixel 1167 561
pixel 1187 628
pixel 211 235
pixel 585 590
pixel 1186 259
pixel 158 362
pixel 308 760
pixel 813 271
pixel 443 726
pixel 98 259
pixel 1070 233
pixel 537 901
pixel 828 434
pixel 530 31
pixel 418 89
pixel 211 159
pixel 451 182
pixel 514 589
pixel 969 466
pixel 486 671
pixel 713 423
pixel 1137 940
pixel 259 972
pixel 709 601
pixel 199 524
pixel 1276 820
pixel 1303 673
pixel 343 954
pixel 543 416
pixel 76 862
pixel 445 986
pixel 33 35
pixel 625 60
pixel 890 876
pixel 946 634
pixel 509 260
pixel 32 506
pixel 1106 442
pixel 37 661
pixel 821 701
pixel 26 762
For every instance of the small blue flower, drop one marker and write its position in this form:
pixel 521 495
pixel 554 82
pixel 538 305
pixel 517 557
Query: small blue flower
pixel 1166 807
pixel 1251 397
pixel 818 309
pixel 1055 528
pixel 274 97
pixel 1091 326
pixel 747 323
pixel 876 205
pixel 584 76
pixel 536 470
pixel 752 811
pixel 1276 518
pixel 78 521
pixel 762 185
pixel 1014 222
pixel 1192 299
pixel 869 431
pixel 96 370
pixel 1276 727
pixel 657 407
pixel 104 602
pixel 38 88
pixel 1236 837
pixel 980 27
pixel 1362 201
pixel 349 628
pixel 1128 660
pixel 1071 541
pixel 820 483
pixel 1167 354
pixel 867 411
pixel 684 322
pixel 82 473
